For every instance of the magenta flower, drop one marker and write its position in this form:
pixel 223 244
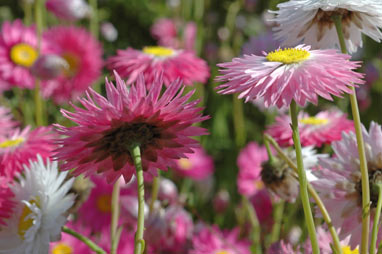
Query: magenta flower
pixel 6 121
pixel 198 166
pixel 68 9
pixel 213 241
pixel 165 31
pixel 298 74
pixel 323 128
pixel 6 202
pixel 108 127
pixel 19 147
pixel 83 54
pixel 150 61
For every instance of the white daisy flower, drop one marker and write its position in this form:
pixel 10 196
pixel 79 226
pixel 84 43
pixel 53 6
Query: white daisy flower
pixel 41 203
pixel 310 22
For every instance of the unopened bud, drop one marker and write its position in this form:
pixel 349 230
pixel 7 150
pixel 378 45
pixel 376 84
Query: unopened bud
pixel 167 191
pixel 49 66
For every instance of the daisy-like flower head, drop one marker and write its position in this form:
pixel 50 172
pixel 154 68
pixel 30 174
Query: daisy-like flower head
pixel 173 63
pixel 339 181
pixel 323 128
pixel 83 55
pixel 20 146
pixel 214 241
pixel 18 52
pixel 298 74
pixel 310 22
pixel 6 203
pixel 6 121
pixel 41 203
pixel 107 128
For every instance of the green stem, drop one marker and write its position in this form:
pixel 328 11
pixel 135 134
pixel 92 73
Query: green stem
pixel 361 150
pixel 154 192
pixel 278 215
pixel 256 243
pixel 139 245
pixel 27 13
pixel 269 151
pixel 238 121
pixel 374 234
pixel 93 23
pixel 312 192
pixel 302 180
pixel 115 209
pixel 93 246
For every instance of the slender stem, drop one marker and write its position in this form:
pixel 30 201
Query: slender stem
pixel 312 192
pixel 269 151
pixel 374 234
pixel 115 216
pixel 115 240
pixel 361 150
pixel 93 24
pixel 278 215
pixel 93 246
pixel 154 192
pixel 238 121
pixel 27 13
pixel 302 180
pixel 139 245
pixel 256 246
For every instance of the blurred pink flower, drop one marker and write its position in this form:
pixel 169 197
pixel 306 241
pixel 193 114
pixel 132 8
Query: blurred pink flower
pixel 168 191
pixel 6 121
pixel 282 248
pixel 198 166
pixel 6 202
pixel 69 9
pixel 260 43
pixel 262 203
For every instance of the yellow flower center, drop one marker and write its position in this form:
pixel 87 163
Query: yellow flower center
pixel 23 54
pixel 288 55
pixel 185 164
pixel 62 248
pixel 25 223
pixel 223 252
pixel 11 142
pixel 313 121
pixel 259 184
pixel 347 250
pixel 104 203
pixel 73 64
pixel 158 51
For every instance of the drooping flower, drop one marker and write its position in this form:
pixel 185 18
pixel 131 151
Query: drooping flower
pixel 18 52
pixel 6 203
pixel 323 128
pixel 339 181
pixel 83 54
pixel 107 128
pixel 214 241
pixel 69 9
pixel 18 147
pixel 198 166
pixel 41 201
pixel 311 22
pixel 152 60
pixel 6 121
pixel 298 74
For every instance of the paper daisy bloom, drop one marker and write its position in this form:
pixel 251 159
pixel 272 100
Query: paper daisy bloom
pixel 310 22
pixel 107 128
pixel 83 55
pixel 283 75
pixel 323 128
pixel 18 147
pixel 6 121
pixel 41 203
pixel 339 181
pixel 152 60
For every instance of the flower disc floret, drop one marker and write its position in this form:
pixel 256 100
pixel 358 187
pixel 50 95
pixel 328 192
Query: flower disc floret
pixel 158 51
pixel 288 55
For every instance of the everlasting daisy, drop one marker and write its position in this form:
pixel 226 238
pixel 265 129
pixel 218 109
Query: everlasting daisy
pixel 6 203
pixel 6 121
pixel 323 128
pixel 310 22
pixel 17 147
pixel 108 127
pixel 150 61
pixel 41 203
pixel 298 74
pixel 339 183
pixel 83 55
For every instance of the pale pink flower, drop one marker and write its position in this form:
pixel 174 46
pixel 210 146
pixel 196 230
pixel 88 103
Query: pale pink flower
pixel 68 9
pixel 298 74
pixel 107 128
pixel 150 61
pixel 6 121
pixel 282 248
pixel 323 128
pixel 339 181
pixel 198 166
pixel 6 202
pixel 165 31
pixel 83 54
pixel 19 147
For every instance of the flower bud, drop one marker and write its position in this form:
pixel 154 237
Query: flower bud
pixel 69 9
pixel 48 66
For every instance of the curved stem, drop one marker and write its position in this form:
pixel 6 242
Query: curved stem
pixel 139 245
pixel 313 193
pixel 256 245
pixel 278 215
pixel 115 217
pixel 302 180
pixel 154 192
pixel 361 150
pixel 269 151
pixel 374 234
pixel 238 121
pixel 85 240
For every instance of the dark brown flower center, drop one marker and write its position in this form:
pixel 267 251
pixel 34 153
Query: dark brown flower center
pixel 375 176
pixel 272 174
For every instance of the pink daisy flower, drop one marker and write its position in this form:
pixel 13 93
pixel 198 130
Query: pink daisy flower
pixel 323 128
pixel 198 166
pixel 298 74
pixel 20 147
pixel 83 54
pixel 6 121
pixel 108 127
pixel 18 52
pixel 173 63
pixel 214 241
pixel 339 183
pixel 6 203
